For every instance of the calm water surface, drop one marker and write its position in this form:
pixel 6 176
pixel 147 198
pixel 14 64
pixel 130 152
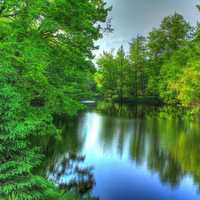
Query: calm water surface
pixel 136 153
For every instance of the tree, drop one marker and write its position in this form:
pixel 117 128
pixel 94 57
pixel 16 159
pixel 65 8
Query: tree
pixel 113 76
pixel 122 66
pixel 45 54
pixel 138 60
pixel 163 42
pixel 106 76
pixel 165 66
pixel 187 86
pixel 169 37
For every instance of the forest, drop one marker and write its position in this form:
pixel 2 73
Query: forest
pixel 163 65
pixel 47 69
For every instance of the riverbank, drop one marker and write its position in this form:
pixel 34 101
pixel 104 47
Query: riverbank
pixel 141 100
pixel 131 100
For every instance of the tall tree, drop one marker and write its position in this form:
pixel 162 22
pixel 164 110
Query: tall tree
pixel 138 60
pixel 112 77
pixel 163 42
pixel 122 65
pixel 45 54
pixel 107 75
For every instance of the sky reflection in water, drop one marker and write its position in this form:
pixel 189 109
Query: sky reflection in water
pixel 142 156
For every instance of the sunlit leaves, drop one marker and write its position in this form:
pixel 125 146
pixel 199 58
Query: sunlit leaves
pixel 45 70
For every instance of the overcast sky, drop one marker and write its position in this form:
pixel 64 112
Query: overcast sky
pixel 132 17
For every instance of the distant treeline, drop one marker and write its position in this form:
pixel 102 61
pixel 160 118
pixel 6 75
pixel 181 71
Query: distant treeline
pixel 165 64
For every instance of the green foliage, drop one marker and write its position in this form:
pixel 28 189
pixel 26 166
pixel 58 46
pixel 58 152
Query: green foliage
pixel 139 68
pixel 163 42
pixel 112 77
pixel 170 36
pixel 166 65
pixel 188 85
pixel 120 76
pixel 45 53
pixel 106 75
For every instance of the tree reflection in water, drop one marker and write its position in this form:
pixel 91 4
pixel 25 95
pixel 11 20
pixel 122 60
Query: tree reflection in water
pixel 166 138
pixel 162 141
pixel 69 173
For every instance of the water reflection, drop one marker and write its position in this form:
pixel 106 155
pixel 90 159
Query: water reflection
pixel 69 173
pixel 138 152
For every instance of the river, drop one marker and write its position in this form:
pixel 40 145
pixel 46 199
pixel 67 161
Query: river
pixel 129 152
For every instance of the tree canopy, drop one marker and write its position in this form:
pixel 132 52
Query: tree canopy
pixel 165 64
pixel 45 70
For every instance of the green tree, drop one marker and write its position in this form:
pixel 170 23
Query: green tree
pixel 138 60
pixel 122 68
pixel 174 71
pixel 162 43
pixel 112 76
pixel 106 76
pixel 166 65
pixel 187 86
pixel 45 52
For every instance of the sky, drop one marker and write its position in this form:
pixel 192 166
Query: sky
pixel 132 17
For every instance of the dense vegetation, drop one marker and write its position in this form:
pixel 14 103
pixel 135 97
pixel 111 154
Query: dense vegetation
pixel 45 69
pixel 164 65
